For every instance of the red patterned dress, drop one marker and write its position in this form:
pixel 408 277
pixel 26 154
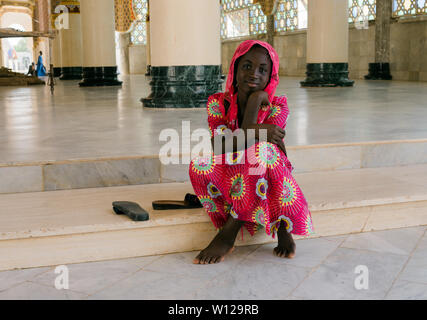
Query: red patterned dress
pixel 253 185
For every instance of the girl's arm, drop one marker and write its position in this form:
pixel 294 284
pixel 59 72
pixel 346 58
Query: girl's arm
pixel 275 133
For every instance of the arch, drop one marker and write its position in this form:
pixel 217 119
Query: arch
pixel 17 53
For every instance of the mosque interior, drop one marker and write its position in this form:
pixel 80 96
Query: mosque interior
pixel 126 72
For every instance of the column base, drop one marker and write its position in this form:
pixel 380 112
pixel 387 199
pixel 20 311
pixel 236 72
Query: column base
pixel 56 72
pixel 148 73
pixel 71 73
pixel 379 71
pixel 99 76
pixel 327 75
pixel 183 86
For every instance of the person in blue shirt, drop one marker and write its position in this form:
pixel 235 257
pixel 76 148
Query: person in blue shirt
pixel 41 70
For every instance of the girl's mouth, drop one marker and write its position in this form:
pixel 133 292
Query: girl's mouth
pixel 252 84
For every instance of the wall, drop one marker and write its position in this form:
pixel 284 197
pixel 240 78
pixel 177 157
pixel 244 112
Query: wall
pixel 361 51
pixel 291 49
pixel 408 47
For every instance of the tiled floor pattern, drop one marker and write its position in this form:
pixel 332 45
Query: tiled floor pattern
pixel 394 266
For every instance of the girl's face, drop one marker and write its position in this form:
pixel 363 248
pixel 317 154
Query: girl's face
pixel 253 71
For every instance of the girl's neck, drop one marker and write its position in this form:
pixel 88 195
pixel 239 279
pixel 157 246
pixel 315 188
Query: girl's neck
pixel 242 100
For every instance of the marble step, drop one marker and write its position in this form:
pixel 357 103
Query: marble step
pixel 72 226
pixel 135 170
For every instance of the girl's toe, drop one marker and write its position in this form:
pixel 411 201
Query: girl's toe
pixel 197 259
pixel 211 260
pixel 290 254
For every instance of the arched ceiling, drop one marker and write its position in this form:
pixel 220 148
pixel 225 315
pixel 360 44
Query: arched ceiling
pixel 18 3
pixel 19 6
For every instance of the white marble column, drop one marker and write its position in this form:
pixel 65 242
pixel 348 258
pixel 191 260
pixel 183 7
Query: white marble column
pixel 124 42
pixel 1 54
pixel 98 38
pixel 56 55
pixel 185 52
pixel 71 44
pixel 327 44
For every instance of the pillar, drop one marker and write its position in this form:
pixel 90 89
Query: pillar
pixel 327 44
pixel 124 42
pixel 1 54
pixel 269 8
pixel 147 44
pixel 185 53
pixel 56 55
pixel 99 47
pixel 380 69
pixel 55 42
pixel 71 44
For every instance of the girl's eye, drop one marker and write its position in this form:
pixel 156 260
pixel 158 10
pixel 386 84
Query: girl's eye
pixel 246 67
pixel 262 70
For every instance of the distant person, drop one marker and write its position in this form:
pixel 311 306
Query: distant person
pixel 41 70
pixel 31 70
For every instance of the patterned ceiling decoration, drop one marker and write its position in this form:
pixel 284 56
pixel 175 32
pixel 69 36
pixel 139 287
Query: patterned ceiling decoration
pixel 24 6
pixel 124 15
pixel 14 3
pixel 268 7
pixel 72 5
pixel 53 15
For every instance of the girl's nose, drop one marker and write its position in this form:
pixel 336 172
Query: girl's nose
pixel 253 74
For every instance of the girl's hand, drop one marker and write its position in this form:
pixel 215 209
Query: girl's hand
pixel 275 134
pixel 283 148
pixel 258 99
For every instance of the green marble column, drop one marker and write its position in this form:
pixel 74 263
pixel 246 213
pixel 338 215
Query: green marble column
pixel 183 86
pixel 71 73
pixel 327 44
pixel 327 75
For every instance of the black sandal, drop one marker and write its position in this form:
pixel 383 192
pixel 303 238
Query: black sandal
pixel 131 209
pixel 190 202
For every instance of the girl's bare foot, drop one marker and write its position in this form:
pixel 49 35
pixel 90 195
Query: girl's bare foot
pixel 285 244
pixel 221 245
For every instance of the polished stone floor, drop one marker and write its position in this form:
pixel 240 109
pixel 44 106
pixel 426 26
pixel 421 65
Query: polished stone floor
pixel 81 123
pixel 393 264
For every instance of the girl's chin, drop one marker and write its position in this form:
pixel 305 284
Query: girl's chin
pixel 248 90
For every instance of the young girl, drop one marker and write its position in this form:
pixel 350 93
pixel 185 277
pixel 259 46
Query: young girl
pixel 250 186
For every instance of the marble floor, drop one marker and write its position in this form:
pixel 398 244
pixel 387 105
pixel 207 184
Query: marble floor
pixel 393 264
pixel 81 123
